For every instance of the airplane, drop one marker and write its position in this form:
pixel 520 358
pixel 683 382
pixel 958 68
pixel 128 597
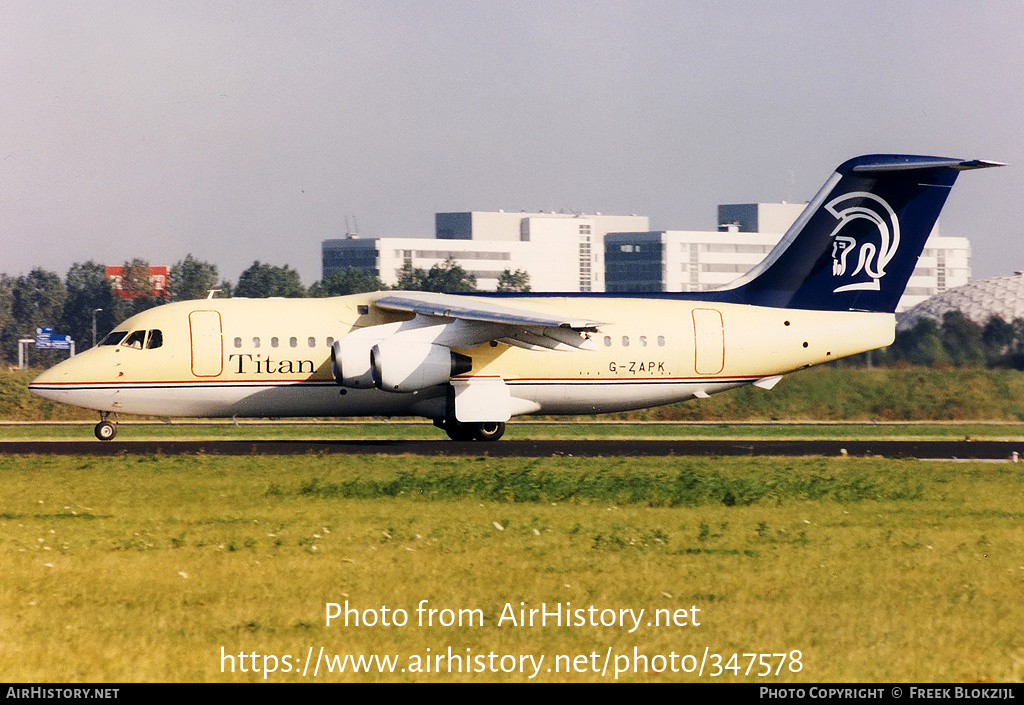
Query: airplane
pixel 471 362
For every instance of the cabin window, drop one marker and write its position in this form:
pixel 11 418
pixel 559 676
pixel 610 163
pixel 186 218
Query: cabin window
pixel 330 342
pixel 643 341
pixel 256 342
pixel 238 342
pixel 155 339
pixel 625 341
pixel 607 341
pixel 311 341
pixel 273 342
pixel 294 342
pixel 661 341
pixel 114 337
pixel 135 340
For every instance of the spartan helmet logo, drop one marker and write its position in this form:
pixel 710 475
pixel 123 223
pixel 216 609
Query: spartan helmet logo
pixel 871 258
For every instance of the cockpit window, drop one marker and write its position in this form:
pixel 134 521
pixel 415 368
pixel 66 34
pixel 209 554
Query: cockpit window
pixel 155 339
pixel 135 340
pixel 114 337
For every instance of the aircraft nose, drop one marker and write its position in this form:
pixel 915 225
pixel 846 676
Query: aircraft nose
pixel 76 382
pixel 53 384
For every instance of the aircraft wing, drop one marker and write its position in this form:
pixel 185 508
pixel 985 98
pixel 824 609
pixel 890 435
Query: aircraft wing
pixel 473 321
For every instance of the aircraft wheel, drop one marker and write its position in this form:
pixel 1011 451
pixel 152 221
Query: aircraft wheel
pixel 459 432
pixel 489 430
pixel 105 431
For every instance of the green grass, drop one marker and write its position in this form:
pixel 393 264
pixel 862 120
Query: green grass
pixel 144 568
pixel 698 482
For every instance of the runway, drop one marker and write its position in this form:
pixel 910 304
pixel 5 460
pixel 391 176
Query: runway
pixel 924 449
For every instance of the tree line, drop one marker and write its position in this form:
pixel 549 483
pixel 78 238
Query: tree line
pixel 957 341
pixel 41 299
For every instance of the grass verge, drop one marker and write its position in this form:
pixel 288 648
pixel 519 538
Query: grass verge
pixel 156 568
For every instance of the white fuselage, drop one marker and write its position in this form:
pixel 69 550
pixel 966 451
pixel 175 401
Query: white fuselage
pixel 272 357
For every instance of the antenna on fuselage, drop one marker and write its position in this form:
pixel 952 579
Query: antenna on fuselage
pixel 210 294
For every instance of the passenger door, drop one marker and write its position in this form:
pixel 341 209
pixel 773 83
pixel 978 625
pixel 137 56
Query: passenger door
pixel 207 343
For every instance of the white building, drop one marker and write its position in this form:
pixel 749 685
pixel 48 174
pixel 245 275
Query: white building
pixel 386 257
pixel 682 260
pixel 560 251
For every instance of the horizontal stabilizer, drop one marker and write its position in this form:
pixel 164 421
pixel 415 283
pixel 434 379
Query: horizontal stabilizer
pixel 905 163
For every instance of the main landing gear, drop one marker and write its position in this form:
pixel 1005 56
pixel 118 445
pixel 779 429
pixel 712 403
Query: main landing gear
pixel 105 430
pixel 483 431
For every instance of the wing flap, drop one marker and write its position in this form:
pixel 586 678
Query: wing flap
pixel 549 339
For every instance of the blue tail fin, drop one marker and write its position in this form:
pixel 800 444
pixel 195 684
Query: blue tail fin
pixel 856 244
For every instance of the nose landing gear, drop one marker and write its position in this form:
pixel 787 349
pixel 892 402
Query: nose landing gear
pixel 105 430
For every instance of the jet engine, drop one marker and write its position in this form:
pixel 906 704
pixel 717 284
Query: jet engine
pixel 399 366
pixel 350 363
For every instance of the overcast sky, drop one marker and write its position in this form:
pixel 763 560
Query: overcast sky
pixel 238 131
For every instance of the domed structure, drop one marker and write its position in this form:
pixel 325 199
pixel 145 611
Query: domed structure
pixel 979 301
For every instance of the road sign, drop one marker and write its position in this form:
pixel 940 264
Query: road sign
pixel 46 339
